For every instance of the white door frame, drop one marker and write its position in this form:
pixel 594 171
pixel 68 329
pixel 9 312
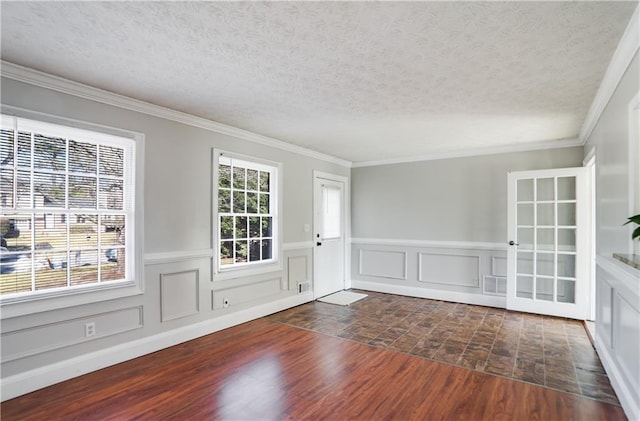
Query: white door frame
pixel 346 219
pixel 590 163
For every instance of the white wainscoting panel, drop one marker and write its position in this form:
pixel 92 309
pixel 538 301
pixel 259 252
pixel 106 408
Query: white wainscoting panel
pixel 617 337
pixel 35 340
pixel 499 266
pixel 40 377
pixel 383 264
pixel 179 294
pixel 449 269
pixel 245 293
pixel 627 343
pixel 604 309
pixel 297 271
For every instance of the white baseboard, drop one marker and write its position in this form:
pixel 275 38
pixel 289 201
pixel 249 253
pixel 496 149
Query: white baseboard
pixel 459 297
pixel 628 398
pixel 38 378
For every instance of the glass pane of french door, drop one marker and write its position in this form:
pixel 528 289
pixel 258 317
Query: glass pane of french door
pixel 546 236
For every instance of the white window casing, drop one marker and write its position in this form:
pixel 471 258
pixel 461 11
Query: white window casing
pixel 71 211
pixel 247 204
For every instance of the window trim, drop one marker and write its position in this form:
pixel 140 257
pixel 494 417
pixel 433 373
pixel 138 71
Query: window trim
pixel 54 299
pixel 255 268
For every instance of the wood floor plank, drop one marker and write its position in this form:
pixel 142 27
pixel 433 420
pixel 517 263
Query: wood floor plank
pixel 268 371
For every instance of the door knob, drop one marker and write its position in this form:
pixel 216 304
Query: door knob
pixel 513 243
pixel 318 243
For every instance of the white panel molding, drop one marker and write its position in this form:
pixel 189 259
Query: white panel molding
pixel 476 280
pixel 176 256
pixel 286 281
pixel 236 294
pixel 469 152
pixel 168 297
pixel 621 282
pixel 495 265
pixel 421 292
pixel 38 378
pixel 44 80
pixel 622 57
pixel 628 398
pixel 80 321
pixel 471 245
pixel 236 273
pixel 297 246
pixel 626 339
pixel 376 273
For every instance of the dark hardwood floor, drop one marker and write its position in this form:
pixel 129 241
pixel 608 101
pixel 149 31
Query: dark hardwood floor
pixel 265 370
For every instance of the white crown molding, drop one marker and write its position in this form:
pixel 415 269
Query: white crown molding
pixel 44 80
pixel 471 245
pixel 622 57
pixel 521 147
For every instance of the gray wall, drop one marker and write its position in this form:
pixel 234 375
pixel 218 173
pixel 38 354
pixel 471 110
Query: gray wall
pixel 179 291
pixel 461 199
pixel 438 229
pixel 610 138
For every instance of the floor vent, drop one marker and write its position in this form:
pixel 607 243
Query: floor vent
pixel 304 287
pixel 494 285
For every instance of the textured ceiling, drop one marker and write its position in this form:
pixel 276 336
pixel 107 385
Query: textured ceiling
pixel 361 81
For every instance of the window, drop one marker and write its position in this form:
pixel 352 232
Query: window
pixel 331 212
pixel 247 216
pixel 67 213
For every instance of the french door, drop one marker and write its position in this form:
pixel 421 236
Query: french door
pixel 329 233
pixel 548 270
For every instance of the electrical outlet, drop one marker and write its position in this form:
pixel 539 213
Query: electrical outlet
pixel 225 302
pixel 89 329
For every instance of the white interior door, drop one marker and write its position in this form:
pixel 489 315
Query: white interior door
pixel 329 229
pixel 548 254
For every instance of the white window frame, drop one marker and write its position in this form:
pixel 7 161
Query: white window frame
pixel 38 301
pixel 257 267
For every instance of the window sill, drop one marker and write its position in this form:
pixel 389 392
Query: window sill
pixel 64 299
